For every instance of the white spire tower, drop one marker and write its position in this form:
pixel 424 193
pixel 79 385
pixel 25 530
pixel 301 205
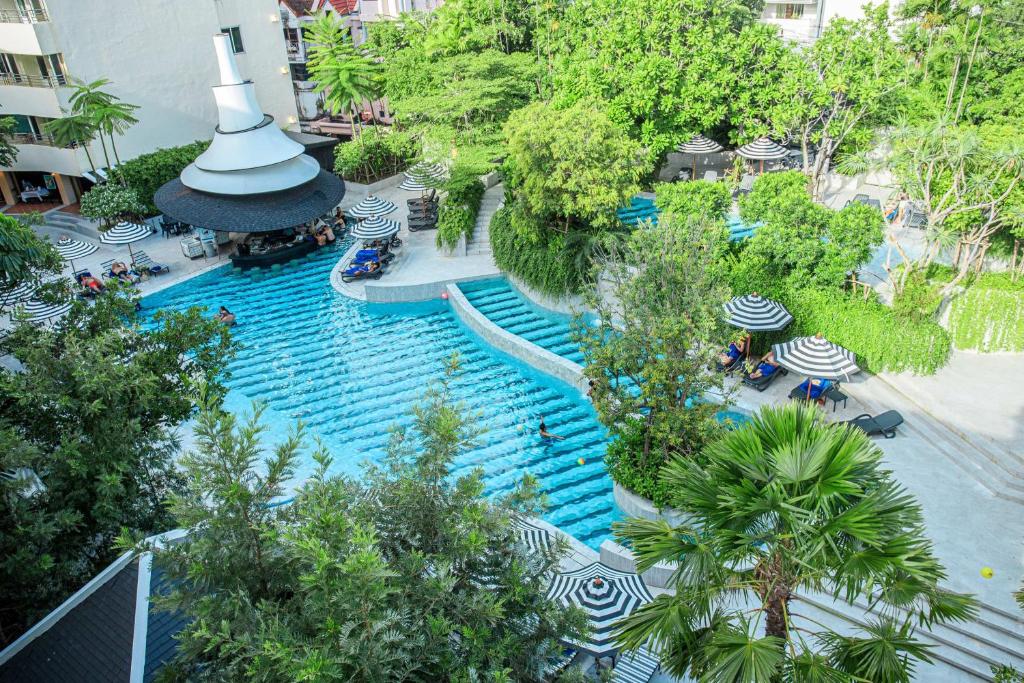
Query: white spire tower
pixel 249 154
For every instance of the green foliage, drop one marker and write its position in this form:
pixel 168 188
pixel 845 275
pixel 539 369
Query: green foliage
pixel 535 255
pixel 110 203
pixel 147 173
pixel 699 199
pixel 344 75
pixel 406 574
pixel 883 340
pixel 93 414
pixel 801 240
pixel 989 315
pixel 24 257
pixel 8 152
pixel 374 154
pixel 457 214
pixel 919 299
pixel 464 26
pixel 654 350
pixel 571 167
pixel 784 504
pixel 631 468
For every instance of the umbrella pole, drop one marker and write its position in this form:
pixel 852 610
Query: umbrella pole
pixel 694 176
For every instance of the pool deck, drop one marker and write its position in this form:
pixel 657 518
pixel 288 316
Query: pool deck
pixel 420 270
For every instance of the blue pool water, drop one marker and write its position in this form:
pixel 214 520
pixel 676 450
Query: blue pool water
pixel 642 209
pixel 350 370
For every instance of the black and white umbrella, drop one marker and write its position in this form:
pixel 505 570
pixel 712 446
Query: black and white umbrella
pixel 420 175
pixel 762 149
pixel 537 539
pixel 606 595
pixel 375 228
pixel 699 144
pixel 126 233
pixel 70 249
pixel 35 311
pixel 372 206
pixel 816 357
pixel 22 292
pixel 756 313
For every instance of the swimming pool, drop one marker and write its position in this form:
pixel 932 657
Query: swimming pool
pixel 642 209
pixel 350 370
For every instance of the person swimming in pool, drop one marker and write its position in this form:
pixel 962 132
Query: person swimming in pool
pixel 545 434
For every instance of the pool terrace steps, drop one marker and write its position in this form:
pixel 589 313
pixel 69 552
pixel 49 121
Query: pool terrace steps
pixel 480 242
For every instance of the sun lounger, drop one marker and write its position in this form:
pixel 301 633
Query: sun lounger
pixel 367 255
pixel 884 423
pixel 143 262
pixel 422 223
pixel 359 271
pixel 763 382
pixel 636 667
pixel 711 176
pixel 746 184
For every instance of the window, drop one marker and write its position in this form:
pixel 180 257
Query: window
pixel 236 38
pixel 791 12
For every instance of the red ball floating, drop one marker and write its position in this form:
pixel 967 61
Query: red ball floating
pixel 444 295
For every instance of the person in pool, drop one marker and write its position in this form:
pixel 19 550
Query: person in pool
pixel 225 316
pixel 545 434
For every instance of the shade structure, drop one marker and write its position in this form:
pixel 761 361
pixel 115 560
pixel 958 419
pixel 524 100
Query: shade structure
pixel 420 176
pixel 537 539
pixel 756 313
pixel 606 595
pixel 699 144
pixel 35 311
pixel 22 292
pixel 762 149
pixel 126 233
pixel 816 357
pixel 375 228
pixel 70 249
pixel 372 206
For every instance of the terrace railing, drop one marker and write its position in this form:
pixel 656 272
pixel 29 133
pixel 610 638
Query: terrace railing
pixel 37 139
pixel 32 80
pixel 23 16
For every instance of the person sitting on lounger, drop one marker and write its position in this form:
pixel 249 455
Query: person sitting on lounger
pixel 766 367
pixel 225 316
pixel 545 434
pixel 90 283
pixel 733 353
pixel 814 388
pixel 120 271
pixel 371 266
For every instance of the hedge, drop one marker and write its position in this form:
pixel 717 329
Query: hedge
pixel 535 255
pixel 146 173
pixel 375 154
pixel 457 215
pixel 989 315
pixel 882 340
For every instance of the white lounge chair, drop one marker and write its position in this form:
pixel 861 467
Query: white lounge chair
pixel 711 176
pixel 746 183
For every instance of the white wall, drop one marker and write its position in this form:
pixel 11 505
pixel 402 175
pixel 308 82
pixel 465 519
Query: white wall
pixel 159 55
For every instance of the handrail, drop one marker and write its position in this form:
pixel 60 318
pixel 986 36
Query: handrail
pixel 23 16
pixel 38 139
pixel 32 80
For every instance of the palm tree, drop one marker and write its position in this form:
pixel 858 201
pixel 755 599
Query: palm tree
pixel 788 506
pixel 115 117
pixel 344 75
pixel 86 99
pixel 75 129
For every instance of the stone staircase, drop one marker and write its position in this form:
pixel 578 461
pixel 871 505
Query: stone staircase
pixel 72 223
pixel 480 243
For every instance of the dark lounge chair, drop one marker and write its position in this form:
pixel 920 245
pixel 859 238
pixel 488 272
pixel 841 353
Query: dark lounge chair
pixel 884 423
pixel 359 271
pixel 801 391
pixel 422 223
pixel 762 383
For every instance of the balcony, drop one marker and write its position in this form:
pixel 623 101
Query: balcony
pixel 33 80
pixel 38 139
pixel 23 16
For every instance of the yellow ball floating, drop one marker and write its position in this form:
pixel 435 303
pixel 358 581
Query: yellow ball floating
pixel 987 573
pixel 519 427
pixel 582 461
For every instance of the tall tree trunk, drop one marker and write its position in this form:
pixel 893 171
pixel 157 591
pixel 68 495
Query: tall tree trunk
pixel 85 146
pixel 106 157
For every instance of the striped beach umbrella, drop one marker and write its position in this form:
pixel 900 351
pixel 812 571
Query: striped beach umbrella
pixel 762 149
pixel 421 175
pixel 35 311
pixel 816 357
pixel 70 249
pixel 606 595
pixel 537 539
pixel 126 233
pixel 372 206
pixel 17 294
pixel 375 228
pixel 756 313
pixel 699 144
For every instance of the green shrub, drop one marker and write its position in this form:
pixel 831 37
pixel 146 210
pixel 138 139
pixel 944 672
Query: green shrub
pixel 146 173
pixel 882 339
pixel 534 254
pixel 458 212
pixel 111 202
pixel 989 315
pixel 375 154
pixel 698 198
pixel 630 469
